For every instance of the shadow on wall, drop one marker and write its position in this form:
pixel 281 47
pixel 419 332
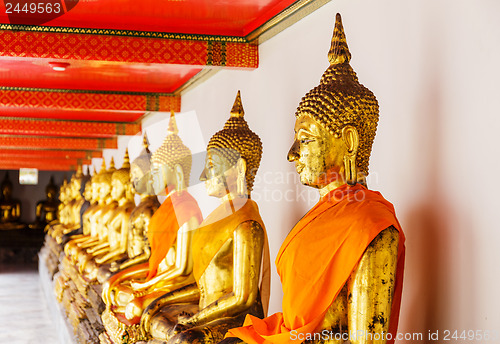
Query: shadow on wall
pixel 439 289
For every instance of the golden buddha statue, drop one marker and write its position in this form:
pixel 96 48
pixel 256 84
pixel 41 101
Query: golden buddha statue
pixel 140 174
pixel 10 209
pixel 341 266
pixel 170 232
pixel 99 243
pixel 227 248
pixel 46 210
pixel 93 239
pixel 77 186
pixel 117 225
pixel 138 250
pixel 83 189
pixel 73 202
pixel 54 229
pixel 91 195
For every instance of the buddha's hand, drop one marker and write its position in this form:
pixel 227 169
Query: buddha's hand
pixel 146 317
pixel 185 319
pixel 106 293
pixel 178 328
pixel 138 285
pixel 114 267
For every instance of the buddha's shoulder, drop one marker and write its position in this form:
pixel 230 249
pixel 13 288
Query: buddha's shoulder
pixel 250 227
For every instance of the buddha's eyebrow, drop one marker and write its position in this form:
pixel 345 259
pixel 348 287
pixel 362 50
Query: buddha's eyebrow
pixel 305 131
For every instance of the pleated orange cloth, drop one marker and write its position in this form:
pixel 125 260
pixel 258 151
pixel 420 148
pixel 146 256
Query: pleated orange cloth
pixel 218 227
pixel 176 210
pixel 317 258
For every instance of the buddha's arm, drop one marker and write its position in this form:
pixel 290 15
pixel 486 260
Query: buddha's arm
pixel 183 259
pixel 371 288
pixel 247 255
pixel 118 224
pixel 102 250
pixel 18 211
pixel 127 274
pixel 71 228
pixel 143 257
pixel 38 211
pixel 97 246
pixel 189 293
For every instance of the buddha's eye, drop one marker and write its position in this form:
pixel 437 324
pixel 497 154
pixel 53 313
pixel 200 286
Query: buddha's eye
pixel 305 141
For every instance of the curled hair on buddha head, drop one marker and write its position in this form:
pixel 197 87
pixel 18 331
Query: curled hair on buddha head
pixel 236 140
pixel 143 161
pixel 80 177
pixel 123 174
pixel 173 151
pixel 105 175
pixel 84 179
pixel 340 100
pixel 51 187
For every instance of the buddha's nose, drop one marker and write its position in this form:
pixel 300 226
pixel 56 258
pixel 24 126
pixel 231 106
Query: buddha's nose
pixel 293 153
pixel 203 175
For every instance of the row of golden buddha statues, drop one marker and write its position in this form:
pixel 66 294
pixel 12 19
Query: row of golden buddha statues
pixel 163 274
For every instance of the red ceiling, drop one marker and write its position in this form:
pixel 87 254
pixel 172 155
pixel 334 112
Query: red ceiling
pixel 211 17
pixel 109 65
pixel 95 75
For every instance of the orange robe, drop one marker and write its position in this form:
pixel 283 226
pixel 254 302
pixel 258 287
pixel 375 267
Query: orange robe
pixel 317 258
pixel 164 224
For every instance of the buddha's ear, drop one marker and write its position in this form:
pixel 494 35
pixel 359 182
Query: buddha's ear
pixel 241 166
pixel 350 137
pixel 179 176
pixel 241 179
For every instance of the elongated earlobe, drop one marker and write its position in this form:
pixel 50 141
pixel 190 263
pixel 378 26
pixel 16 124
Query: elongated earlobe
pixel 179 176
pixel 351 140
pixel 241 180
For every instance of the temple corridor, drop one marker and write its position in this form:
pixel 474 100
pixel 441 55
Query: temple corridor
pixel 24 315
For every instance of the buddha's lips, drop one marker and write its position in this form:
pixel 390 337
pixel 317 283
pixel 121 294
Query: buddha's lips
pixel 299 167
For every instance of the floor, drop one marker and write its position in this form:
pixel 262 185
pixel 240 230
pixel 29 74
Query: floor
pixel 24 315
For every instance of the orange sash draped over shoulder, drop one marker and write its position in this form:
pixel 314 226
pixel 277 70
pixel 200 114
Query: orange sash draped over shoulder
pixel 317 258
pixel 164 224
pixel 218 227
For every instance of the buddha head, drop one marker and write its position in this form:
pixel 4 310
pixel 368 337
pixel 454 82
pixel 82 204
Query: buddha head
pixel 51 190
pixel 120 180
pixel 140 171
pixel 63 191
pixel 87 191
pixel 76 182
pixel 6 187
pixel 171 163
pixel 94 182
pixel 335 123
pixel 104 180
pixel 233 156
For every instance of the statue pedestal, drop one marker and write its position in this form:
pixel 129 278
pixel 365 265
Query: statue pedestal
pixel 57 313
pixel 77 320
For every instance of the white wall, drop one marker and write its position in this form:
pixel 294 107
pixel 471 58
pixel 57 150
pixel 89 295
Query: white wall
pixel 433 65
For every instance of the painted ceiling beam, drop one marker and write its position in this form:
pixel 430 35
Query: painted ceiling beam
pixel 40 166
pixel 119 46
pixel 56 99
pixel 27 142
pixel 31 127
pixel 48 154
pixel 34 162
